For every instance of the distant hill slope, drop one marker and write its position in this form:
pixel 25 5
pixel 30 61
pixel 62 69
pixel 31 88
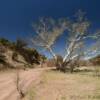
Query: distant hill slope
pixel 96 60
pixel 17 54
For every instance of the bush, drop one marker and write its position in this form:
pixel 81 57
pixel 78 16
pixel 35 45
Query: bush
pixel 4 42
pixel 2 59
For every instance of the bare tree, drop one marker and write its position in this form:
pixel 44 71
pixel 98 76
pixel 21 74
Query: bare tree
pixel 47 33
pixel 78 32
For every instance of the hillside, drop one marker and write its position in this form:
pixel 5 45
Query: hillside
pixel 18 54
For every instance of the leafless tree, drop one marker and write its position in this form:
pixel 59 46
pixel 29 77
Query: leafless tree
pixel 48 32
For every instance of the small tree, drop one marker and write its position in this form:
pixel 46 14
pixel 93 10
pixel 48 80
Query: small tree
pixel 20 44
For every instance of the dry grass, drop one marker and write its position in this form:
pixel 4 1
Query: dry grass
pixel 59 86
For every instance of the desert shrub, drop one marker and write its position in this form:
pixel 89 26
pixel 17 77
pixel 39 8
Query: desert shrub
pixel 19 44
pixel 5 42
pixel 30 55
pixel 2 59
pixel 14 56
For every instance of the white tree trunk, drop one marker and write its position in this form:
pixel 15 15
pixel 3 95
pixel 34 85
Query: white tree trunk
pixel 69 50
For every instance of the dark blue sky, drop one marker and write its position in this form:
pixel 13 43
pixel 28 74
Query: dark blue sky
pixel 16 16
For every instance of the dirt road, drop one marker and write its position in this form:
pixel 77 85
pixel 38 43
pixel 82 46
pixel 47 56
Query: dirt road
pixel 8 89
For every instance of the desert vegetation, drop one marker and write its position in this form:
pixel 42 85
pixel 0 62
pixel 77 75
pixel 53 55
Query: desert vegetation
pixel 17 53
